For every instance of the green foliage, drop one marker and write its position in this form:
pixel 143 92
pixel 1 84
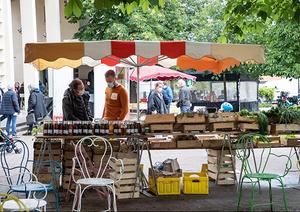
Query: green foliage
pixel 263 123
pixel 244 112
pixel 289 115
pixel 244 16
pixel 75 7
pixel 267 93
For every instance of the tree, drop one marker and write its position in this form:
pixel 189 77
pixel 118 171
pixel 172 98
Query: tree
pixel 247 15
pixel 166 24
pixel 76 7
pixel 267 93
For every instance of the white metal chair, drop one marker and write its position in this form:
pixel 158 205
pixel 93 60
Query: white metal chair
pixel 34 201
pixel 94 175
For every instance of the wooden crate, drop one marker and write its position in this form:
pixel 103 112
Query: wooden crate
pixel 248 127
pixel 212 143
pixel 222 117
pixel 245 119
pixel 194 128
pixel 275 141
pixel 190 118
pixel 163 144
pixel 161 128
pixel 189 144
pixel 160 118
pixel 128 186
pixel 284 128
pixel 226 163
pixel 293 142
pixel 223 126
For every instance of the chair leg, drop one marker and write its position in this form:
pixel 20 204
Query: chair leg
pixel 76 198
pixel 284 195
pixel 270 195
pixel 114 198
pixel 252 196
pixel 56 194
pixel 109 200
pixel 240 193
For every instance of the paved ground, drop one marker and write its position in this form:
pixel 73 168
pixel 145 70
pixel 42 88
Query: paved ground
pixel 220 198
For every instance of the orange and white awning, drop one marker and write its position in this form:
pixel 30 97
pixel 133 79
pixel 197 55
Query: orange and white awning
pixel 74 54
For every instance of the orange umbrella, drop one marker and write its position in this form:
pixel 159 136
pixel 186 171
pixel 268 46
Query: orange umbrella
pixel 206 64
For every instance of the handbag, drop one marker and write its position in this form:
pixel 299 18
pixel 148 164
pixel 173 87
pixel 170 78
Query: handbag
pixel 30 118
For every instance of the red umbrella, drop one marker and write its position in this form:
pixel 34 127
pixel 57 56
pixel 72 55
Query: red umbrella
pixel 159 73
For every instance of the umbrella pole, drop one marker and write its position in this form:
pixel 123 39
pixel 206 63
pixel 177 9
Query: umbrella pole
pixel 138 92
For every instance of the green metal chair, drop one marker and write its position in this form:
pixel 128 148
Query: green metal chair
pixel 254 168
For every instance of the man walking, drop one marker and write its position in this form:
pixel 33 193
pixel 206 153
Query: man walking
pixel 10 109
pixel 36 105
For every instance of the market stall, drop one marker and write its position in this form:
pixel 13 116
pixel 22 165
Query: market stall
pixel 216 132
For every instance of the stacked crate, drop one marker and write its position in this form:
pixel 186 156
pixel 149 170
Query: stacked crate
pixel 221 166
pixel 191 122
pixel 160 123
pixel 222 121
pixel 128 186
pixel 43 168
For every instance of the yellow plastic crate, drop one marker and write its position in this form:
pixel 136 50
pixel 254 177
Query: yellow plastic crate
pixel 165 185
pixel 196 182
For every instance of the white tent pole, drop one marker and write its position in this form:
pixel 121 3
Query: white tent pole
pixel 138 92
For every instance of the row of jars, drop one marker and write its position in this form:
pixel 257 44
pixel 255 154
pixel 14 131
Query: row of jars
pixel 90 128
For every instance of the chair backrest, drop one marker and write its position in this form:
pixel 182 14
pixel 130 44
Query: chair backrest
pixel 12 163
pixel 96 168
pixel 258 161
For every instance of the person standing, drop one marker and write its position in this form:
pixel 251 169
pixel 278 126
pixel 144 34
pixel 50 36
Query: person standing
pixel 36 105
pixel 10 109
pixel 156 102
pixel 1 96
pixel 168 93
pixel 116 99
pixel 185 97
pixel 17 90
pixel 76 103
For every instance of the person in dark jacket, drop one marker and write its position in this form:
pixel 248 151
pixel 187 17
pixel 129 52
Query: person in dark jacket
pixel 76 102
pixel 36 105
pixel 10 109
pixel 156 100
pixel 2 117
pixel 168 93
pixel 185 97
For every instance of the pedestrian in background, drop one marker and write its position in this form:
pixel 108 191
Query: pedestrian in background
pixel 168 94
pixel 10 109
pixel 36 105
pixel 185 97
pixel 156 102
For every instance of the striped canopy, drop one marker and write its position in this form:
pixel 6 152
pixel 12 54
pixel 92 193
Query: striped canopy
pixel 74 54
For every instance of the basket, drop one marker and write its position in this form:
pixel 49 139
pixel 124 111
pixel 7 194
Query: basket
pixel 197 184
pixel 165 185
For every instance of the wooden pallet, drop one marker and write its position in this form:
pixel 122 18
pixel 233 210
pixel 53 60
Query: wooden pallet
pixel 225 175
pixel 224 126
pixel 56 155
pixel 128 186
pixel 162 143
pixel 194 128
pixel 161 127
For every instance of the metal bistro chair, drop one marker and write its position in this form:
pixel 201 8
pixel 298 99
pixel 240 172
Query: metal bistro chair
pixel 35 201
pixel 254 168
pixel 94 175
pixel 19 167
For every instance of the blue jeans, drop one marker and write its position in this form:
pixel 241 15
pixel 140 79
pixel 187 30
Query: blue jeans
pixel 11 121
pixel 185 109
